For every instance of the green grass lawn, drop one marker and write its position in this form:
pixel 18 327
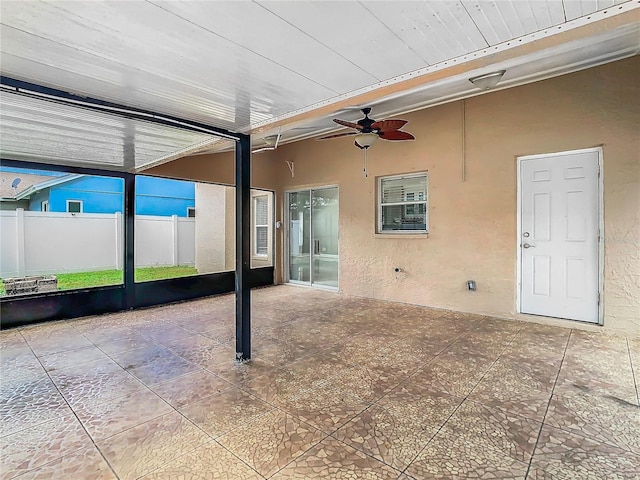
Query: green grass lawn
pixel 70 281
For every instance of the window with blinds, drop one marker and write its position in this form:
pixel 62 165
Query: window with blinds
pixel 261 222
pixel 402 204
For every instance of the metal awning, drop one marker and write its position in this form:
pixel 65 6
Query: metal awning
pixel 253 67
pixel 44 130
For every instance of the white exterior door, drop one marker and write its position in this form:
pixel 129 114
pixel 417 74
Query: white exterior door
pixel 559 235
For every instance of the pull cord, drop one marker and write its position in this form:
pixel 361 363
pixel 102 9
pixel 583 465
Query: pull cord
pixel 364 163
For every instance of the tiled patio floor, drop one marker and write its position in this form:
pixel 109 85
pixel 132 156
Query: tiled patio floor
pixel 339 388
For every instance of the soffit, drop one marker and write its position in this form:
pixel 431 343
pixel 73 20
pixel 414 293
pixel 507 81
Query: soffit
pixel 258 67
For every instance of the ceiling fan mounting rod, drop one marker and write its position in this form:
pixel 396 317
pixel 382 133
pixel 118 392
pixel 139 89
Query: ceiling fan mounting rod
pixel 366 123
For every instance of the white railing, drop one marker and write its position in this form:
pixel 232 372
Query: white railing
pixel 37 243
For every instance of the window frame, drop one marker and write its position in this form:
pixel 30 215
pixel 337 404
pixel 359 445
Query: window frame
pixel 413 202
pixel 257 225
pixel 78 202
pixel 189 210
pixel 44 206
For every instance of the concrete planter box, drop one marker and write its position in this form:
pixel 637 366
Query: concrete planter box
pixel 34 284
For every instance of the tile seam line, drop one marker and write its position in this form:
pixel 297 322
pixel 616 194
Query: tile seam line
pixel 464 399
pixel 633 372
pixel 191 450
pixel 342 442
pixel 152 392
pixel 118 398
pixel 332 433
pixel 415 370
pixel 174 409
pixel 109 356
pixel 573 432
pixel 74 414
pixel 255 418
pixel 298 456
pixel 323 351
pixel 602 442
pixel 542 424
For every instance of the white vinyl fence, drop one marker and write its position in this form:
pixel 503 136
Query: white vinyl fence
pixel 36 243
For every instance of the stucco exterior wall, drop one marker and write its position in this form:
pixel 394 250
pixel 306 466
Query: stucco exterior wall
pixel 230 232
pixel 210 227
pixel 473 221
pixel 220 169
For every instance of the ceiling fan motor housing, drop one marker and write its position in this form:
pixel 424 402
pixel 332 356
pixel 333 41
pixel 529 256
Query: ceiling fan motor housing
pixel 366 122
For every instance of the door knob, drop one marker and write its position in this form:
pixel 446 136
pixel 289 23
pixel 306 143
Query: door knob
pixel 526 245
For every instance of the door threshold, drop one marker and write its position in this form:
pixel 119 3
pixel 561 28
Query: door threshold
pixel 316 287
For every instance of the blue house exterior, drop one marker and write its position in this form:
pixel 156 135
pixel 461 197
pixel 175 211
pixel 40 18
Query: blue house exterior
pixel 154 196
pixel 164 196
pixel 97 194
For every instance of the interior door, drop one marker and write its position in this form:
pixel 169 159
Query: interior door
pixel 560 235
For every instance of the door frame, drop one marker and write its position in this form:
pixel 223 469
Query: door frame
pixel 600 194
pixel 287 237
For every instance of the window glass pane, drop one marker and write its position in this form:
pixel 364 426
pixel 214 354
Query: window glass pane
pixel 44 248
pixel 74 207
pixel 404 217
pixel 404 189
pixel 262 240
pixel 262 210
pixel 261 222
pixel 262 232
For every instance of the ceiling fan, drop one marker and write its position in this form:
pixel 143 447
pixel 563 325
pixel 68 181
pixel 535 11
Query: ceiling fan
pixel 369 130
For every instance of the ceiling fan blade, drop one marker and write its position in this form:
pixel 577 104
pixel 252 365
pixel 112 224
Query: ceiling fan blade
pixel 336 135
pixel 387 125
pixel 396 135
pixel 344 123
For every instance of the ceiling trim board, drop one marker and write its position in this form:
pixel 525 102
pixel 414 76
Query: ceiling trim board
pixel 624 15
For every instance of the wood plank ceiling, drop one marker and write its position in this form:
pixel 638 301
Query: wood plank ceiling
pixel 253 67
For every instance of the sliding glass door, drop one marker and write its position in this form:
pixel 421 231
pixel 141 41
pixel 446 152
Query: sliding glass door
pixel 299 207
pixel 313 237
